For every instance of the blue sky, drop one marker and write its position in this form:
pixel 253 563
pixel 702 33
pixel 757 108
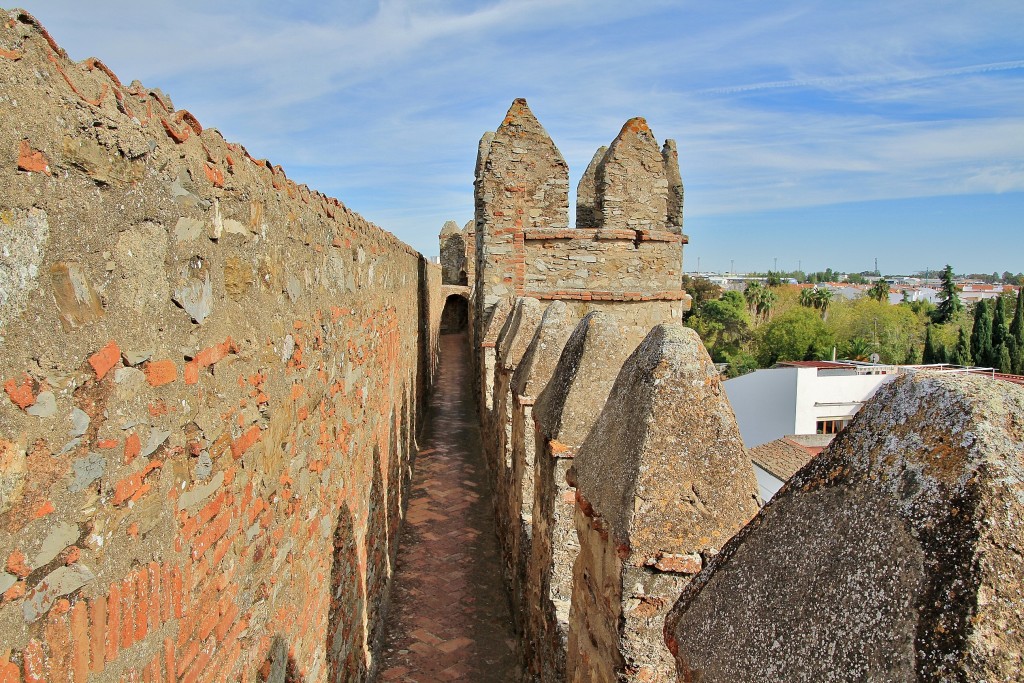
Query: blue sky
pixel 822 134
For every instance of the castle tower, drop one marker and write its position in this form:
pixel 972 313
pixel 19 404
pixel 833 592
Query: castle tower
pixel 522 182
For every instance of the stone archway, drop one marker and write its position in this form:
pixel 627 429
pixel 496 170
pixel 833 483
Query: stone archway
pixel 455 315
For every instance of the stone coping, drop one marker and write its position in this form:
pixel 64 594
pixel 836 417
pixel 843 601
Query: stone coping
pixel 597 295
pixel 537 234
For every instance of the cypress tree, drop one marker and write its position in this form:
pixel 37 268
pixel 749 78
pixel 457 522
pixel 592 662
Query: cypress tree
pixel 1000 330
pixel 962 351
pixel 928 356
pixel 1017 326
pixel 981 335
pixel 1003 361
pixel 950 304
pixel 1016 357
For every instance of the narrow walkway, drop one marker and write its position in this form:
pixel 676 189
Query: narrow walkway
pixel 449 618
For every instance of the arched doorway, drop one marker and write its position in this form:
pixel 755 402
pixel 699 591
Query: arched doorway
pixel 455 316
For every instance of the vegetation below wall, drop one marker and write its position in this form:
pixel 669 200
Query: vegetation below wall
pixel 765 325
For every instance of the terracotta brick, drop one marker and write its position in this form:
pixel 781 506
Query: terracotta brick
pixel 21 395
pixel 245 442
pixel 31 160
pixel 197 668
pixel 127 637
pixel 165 592
pixel 154 595
pixel 9 672
pixel 169 666
pixel 160 372
pixel 80 641
pixel 17 564
pixel 176 586
pixel 34 662
pixel 186 657
pixel 97 630
pixel 105 359
pixel 132 447
pixel 58 642
pixel 141 611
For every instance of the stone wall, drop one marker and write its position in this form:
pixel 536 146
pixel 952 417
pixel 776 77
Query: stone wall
pixel 211 386
pixel 524 247
pixel 620 276
pixel 604 264
pixel 565 412
pixel 662 481
pixel 893 556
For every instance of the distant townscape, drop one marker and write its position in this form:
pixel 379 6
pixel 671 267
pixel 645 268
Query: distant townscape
pixel 755 320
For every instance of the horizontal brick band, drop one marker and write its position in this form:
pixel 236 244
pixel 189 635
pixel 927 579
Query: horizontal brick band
pixel 588 295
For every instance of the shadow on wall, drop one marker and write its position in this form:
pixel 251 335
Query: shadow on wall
pixel 378 553
pixel 455 316
pixel 280 666
pixel 346 630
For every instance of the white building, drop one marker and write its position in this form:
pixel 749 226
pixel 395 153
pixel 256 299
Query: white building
pixel 802 397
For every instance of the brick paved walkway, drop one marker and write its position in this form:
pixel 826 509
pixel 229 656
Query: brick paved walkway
pixel 449 617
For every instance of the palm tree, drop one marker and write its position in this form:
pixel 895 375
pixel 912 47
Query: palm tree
pixel 807 297
pixel 822 300
pixel 859 348
pixel 751 294
pixel 766 301
pixel 879 291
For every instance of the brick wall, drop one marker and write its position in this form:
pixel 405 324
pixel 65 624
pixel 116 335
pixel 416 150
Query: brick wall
pixel 212 378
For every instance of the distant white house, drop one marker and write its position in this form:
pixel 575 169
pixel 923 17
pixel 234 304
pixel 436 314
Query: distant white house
pixel 788 413
pixel 802 397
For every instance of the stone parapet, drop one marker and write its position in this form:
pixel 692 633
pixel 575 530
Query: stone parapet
pixel 662 480
pixel 563 414
pixel 211 376
pixel 892 556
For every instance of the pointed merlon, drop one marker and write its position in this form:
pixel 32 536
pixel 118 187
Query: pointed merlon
pixel 632 190
pixel 665 465
pixel 525 176
pixel 587 211
pixel 893 555
pixel 674 219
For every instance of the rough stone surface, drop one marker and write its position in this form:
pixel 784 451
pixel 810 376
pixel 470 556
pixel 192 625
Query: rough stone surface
pixel 515 338
pixel 587 212
pixel 528 380
pixel 230 505
pixel 670 154
pixel 632 187
pixel 662 475
pixel 564 413
pixel 893 556
pixel 454 267
pixel 522 182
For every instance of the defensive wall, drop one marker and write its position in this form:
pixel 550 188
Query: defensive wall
pixel 624 494
pixel 212 378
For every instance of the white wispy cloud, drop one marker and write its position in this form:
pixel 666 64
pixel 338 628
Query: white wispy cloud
pixel 799 103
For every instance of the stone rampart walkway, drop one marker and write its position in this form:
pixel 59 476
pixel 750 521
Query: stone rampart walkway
pixel 449 618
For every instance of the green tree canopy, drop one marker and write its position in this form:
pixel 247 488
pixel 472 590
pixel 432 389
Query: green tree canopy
pixel 700 289
pixel 891 330
pixel 879 291
pixel 723 324
pixel 962 351
pixel 790 335
pixel 981 335
pixel 1000 324
pixel 950 304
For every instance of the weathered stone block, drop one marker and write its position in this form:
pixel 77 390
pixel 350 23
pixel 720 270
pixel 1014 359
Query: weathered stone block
pixel 892 556
pixel 563 414
pixel 662 474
